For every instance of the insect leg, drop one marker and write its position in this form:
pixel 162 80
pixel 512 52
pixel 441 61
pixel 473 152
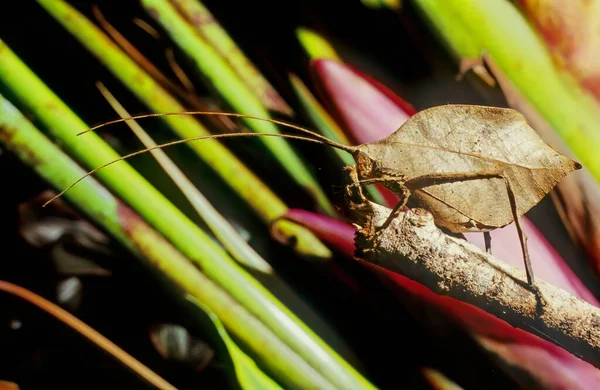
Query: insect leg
pixel 441 178
pixel 355 183
pixel 522 236
pixel 399 206
pixel 523 239
pixel 396 210
pixel 487 238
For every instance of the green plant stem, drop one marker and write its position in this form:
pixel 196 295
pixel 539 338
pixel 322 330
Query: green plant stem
pixel 328 127
pixel 315 45
pixel 259 196
pixel 121 178
pixel 37 151
pixel 470 27
pixel 204 23
pixel 321 119
pixel 249 376
pixel 392 4
pixel 225 233
pixel 224 80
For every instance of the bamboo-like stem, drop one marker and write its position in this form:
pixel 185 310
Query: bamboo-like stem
pixel 392 4
pixel 19 136
pixel 225 233
pixel 185 95
pixel 249 376
pixel 315 45
pixel 205 24
pixel 328 127
pixel 172 223
pixel 259 196
pixel 321 118
pixel 223 79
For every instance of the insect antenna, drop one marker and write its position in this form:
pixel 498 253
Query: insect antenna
pixel 318 138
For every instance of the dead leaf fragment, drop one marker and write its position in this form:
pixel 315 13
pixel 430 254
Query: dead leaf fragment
pixel 73 242
pixel 69 293
pixel 470 139
pixel 174 342
pixel 478 67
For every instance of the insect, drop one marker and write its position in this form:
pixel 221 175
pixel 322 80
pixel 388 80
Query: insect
pixel 474 168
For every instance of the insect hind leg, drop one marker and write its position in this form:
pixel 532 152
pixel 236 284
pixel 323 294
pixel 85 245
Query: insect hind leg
pixel 434 179
pixel 487 238
pixel 441 178
pixel 521 232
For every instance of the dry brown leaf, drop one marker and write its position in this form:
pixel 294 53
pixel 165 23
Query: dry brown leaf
pixel 174 342
pixel 468 139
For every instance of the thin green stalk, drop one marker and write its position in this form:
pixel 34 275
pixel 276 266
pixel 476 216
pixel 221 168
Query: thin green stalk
pixel 184 92
pixel 392 4
pixel 37 151
pixel 470 27
pixel 225 233
pixel 121 178
pixel 328 127
pixel 249 376
pixel 259 196
pixel 205 24
pixel 315 45
pixel 321 118
pixel 224 80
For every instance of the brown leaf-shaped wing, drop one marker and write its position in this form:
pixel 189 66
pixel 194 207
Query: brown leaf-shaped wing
pixel 472 139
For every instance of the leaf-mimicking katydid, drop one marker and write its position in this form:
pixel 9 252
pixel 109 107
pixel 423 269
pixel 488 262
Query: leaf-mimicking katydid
pixel 474 168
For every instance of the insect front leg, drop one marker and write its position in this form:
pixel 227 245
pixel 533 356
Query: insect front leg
pixel 404 195
pixel 355 183
pixel 395 211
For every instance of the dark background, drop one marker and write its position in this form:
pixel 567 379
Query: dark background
pixel 383 332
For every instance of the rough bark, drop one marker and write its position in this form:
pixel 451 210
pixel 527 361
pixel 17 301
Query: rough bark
pixel 415 247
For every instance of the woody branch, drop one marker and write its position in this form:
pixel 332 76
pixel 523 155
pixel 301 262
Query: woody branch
pixel 415 247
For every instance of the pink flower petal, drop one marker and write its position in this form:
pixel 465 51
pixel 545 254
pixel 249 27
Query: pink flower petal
pixel 553 372
pixel 336 233
pixel 368 109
